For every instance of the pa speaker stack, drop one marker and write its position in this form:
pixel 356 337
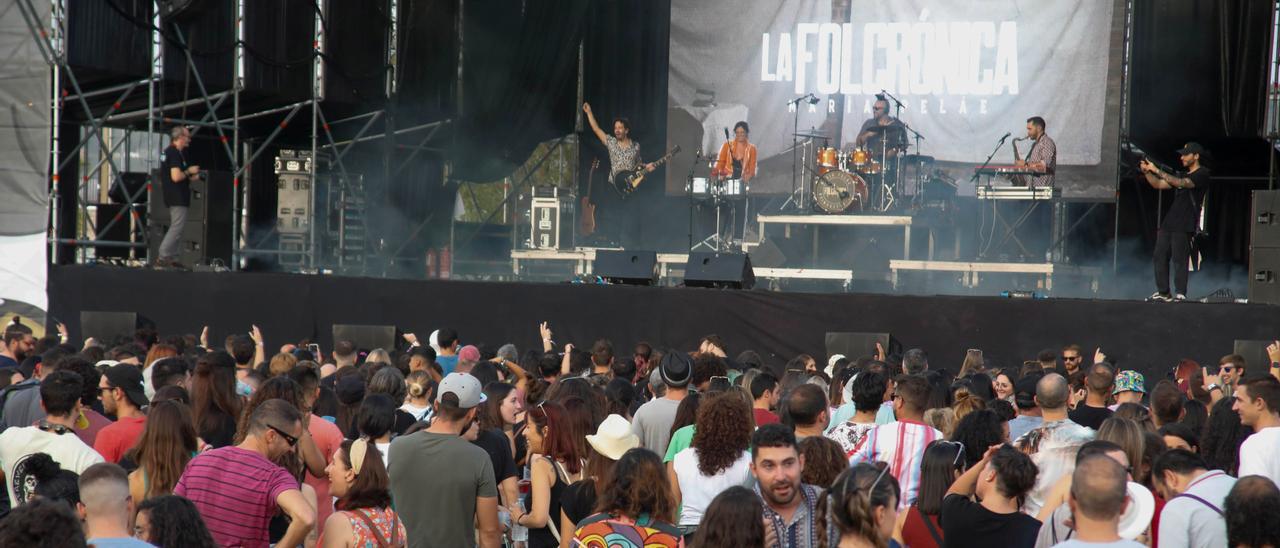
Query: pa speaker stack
pixel 719 270
pixel 1264 248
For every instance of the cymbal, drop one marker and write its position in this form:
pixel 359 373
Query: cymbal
pixel 811 135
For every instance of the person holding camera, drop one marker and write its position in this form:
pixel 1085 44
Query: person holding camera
pixel 1180 223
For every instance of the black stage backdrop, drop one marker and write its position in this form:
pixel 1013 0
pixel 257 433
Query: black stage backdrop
pixel 1199 72
pixel 1150 337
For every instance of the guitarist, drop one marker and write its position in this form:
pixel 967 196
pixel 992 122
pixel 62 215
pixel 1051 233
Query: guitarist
pixel 624 155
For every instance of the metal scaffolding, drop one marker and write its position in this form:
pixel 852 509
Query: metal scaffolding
pixel 48 26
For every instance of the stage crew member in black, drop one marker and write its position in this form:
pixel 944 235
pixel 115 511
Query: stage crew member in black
pixel 624 155
pixel 175 184
pixel 1173 239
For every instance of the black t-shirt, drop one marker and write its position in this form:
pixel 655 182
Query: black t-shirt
pixel 578 500
pixel 175 194
pixel 1090 417
pixel 495 443
pixel 1184 214
pixel 403 421
pixel 972 525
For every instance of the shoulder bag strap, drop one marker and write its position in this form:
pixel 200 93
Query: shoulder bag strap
pixel 1202 501
pixel 928 524
pixel 377 535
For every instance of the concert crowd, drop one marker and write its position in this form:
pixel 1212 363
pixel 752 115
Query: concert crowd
pixel 159 439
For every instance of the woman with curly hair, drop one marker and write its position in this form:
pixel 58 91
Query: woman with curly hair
pixel 823 460
pixel 171 521
pixel 716 460
pixel 635 505
pixel 735 518
pixel 167 443
pixel 862 507
pixel 979 430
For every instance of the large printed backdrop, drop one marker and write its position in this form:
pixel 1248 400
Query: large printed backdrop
pixel 967 73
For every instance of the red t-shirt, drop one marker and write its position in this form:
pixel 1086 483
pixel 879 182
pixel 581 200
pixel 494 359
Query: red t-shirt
pixel 115 439
pixel 764 416
pixel 328 438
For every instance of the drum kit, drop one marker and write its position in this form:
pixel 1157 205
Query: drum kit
pixel 848 181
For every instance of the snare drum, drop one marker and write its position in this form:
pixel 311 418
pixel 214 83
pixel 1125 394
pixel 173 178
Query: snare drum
pixel 828 160
pixel 700 186
pixel 859 157
pixel 733 188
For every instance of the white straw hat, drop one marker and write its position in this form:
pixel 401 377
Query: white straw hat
pixel 614 437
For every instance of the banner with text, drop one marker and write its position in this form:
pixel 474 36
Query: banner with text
pixel 966 73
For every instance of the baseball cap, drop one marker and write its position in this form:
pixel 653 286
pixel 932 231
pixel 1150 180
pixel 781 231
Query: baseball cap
pixel 1024 391
pixel 463 386
pixel 128 378
pixel 676 369
pixel 1191 148
pixel 1129 381
pixel 350 389
pixel 469 353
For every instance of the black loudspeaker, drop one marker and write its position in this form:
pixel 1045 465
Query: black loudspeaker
pixel 627 267
pixel 107 326
pixel 768 255
pixel 129 184
pixel 857 345
pixel 1255 355
pixel 109 228
pixel 207 234
pixel 732 271
pixel 366 337
pixel 1264 275
pixel 1265 229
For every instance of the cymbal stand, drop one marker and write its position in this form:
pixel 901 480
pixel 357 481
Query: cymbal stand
pixel 715 242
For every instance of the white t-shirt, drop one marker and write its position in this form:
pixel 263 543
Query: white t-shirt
pixel 697 490
pixel 419 413
pixel 18 444
pixel 1258 454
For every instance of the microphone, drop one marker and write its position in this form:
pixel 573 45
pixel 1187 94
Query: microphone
pixel 1006 136
pixel 813 99
pixel 726 134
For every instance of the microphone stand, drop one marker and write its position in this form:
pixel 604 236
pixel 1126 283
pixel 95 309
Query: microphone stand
pixel 688 187
pixel 999 145
pixel 795 143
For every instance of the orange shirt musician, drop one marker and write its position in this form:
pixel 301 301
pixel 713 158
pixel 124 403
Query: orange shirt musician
pixel 737 159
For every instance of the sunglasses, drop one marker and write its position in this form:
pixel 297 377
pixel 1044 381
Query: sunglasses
pixel 959 453
pixel 1226 369
pixel 1071 358
pixel 292 441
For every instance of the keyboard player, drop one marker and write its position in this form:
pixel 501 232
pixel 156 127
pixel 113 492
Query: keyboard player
pixel 1043 155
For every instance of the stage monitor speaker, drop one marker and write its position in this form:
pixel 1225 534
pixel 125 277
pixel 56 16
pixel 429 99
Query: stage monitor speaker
pixel 118 231
pixel 719 270
pixel 767 254
pixel 1255 355
pixel 856 345
pixel 129 184
pixel 106 327
pixel 627 267
pixel 1265 229
pixel 1264 275
pixel 366 337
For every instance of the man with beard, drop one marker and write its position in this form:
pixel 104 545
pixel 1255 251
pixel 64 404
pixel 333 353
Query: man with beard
pixel 18 342
pixel 1181 220
pixel 790 507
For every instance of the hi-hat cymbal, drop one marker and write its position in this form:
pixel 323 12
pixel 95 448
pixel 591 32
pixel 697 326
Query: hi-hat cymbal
pixel 811 135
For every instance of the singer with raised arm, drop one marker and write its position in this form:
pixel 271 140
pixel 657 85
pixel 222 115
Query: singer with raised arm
pixel 1043 156
pixel 612 223
pixel 737 159
pixel 1180 222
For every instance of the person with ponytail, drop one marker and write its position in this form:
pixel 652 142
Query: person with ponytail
pixel 861 508
pixel 421 388
pixel 364 516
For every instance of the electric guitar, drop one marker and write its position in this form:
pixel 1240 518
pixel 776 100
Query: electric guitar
pixel 587 218
pixel 627 181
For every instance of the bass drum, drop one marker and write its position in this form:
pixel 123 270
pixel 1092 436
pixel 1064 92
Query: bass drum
pixel 840 192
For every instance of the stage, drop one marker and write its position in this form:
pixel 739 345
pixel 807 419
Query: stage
pixel 1150 337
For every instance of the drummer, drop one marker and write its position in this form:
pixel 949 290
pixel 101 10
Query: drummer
pixel 879 127
pixel 737 158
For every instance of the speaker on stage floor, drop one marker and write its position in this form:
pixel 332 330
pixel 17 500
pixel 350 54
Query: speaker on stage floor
pixel 857 345
pixel 1265 228
pixel 366 337
pixel 1255 355
pixel 1264 275
pixel 107 326
pixel 627 267
pixel 719 270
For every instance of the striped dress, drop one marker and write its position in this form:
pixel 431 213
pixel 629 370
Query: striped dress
pixel 901 444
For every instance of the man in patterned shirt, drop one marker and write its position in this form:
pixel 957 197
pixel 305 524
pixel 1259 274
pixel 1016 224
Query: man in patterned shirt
pixel 624 155
pixel 1043 155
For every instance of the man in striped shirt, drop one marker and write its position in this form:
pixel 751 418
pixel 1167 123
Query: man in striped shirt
pixel 901 443
pixel 237 488
pixel 1043 156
